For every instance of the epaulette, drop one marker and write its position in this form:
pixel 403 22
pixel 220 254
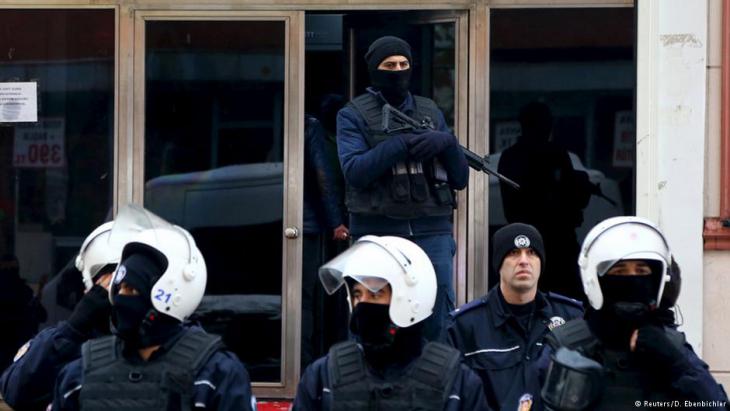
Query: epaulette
pixel 468 306
pixel 565 300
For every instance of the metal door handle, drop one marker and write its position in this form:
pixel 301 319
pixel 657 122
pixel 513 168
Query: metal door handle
pixel 291 232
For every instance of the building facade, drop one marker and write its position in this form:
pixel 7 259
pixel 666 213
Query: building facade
pixel 196 110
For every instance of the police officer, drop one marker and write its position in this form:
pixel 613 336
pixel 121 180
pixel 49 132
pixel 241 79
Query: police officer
pixel 27 384
pixel 391 287
pixel 152 361
pixel 402 184
pixel 502 333
pixel 624 355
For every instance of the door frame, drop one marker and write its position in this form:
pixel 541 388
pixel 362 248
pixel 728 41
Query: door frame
pixel 293 164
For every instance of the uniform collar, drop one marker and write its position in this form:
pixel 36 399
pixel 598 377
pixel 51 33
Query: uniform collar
pixel 501 313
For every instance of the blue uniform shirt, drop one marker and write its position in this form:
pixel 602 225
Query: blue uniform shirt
pixel 221 384
pixel 27 383
pixel 500 350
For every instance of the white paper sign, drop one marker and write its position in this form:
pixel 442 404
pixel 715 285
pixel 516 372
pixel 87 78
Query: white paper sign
pixel 40 145
pixel 18 102
pixel 624 139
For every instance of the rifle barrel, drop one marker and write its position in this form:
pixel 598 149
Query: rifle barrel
pixel 480 164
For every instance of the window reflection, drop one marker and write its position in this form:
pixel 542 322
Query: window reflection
pixel 213 164
pixel 576 69
pixel 56 170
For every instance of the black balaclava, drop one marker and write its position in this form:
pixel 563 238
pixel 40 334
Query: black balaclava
pixel 392 84
pixel 383 342
pixel 629 302
pixel 134 318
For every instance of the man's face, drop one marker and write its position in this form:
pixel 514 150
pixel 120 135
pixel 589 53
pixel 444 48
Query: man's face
pixel 630 268
pixel 361 294
pixel 394 63
pixel 520 269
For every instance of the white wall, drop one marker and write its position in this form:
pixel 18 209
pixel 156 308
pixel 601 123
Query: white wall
pixel 671 95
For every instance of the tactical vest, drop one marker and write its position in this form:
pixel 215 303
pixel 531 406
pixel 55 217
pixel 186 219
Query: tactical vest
pixel 425 385
pixel 412 189
pixel 624 382
pixel 165 383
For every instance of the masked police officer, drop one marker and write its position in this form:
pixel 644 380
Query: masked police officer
pixel 502 333
pixel 152 361
pixel 391 287
pixel 624 355
pixel 402 184
pixel 27 384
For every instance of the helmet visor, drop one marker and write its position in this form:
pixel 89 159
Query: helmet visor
pixel 332 275
pixel 132 220
pixel 604 266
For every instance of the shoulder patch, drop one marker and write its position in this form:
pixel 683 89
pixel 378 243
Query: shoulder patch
pixel 468 306
pixel 555 321
pixel 561 299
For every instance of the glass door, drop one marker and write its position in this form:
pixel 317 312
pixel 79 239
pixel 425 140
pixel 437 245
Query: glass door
pixel 218 141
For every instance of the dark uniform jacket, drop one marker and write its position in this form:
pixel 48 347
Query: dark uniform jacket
pixel 322 195
pixel 363 166
pixel 221 384
pixel 313 393
pixel 497 348
pixel 27 384
pixel 684 388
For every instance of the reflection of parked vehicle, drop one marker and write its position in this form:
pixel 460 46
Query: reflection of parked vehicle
pixel 235 214
pixel 598 209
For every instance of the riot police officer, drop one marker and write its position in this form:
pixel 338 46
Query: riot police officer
pixel 152 361
pixel 624 355
pixel 402 184
pixel 502 333
pixel 391 288
pixel 27 384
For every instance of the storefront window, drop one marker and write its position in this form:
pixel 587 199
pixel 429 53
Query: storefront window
pixel 562 85
pixel 213 165
pixel 56 146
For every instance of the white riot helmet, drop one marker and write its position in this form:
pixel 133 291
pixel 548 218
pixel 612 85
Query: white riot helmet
pixel 621 238
pixel 181 286
pixel 395 261
pixel 97 252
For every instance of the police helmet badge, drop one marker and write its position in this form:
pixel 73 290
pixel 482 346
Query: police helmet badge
pixel 525 403
pixel 522 241
pixel 120 274
pixel 556 322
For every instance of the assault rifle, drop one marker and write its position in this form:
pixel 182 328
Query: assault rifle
pixel 403 122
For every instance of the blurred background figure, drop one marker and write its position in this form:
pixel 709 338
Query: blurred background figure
pixel 20 312
pixel 324 224
pixel 551 197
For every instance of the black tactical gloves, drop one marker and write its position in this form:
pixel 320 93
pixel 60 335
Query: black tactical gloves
pixel 92 312
pixel 427 145
pixel 658 349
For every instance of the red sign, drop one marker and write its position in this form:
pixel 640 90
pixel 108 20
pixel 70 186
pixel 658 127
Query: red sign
pixel 40 145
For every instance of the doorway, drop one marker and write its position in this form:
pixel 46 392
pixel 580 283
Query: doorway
pixel 336 43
